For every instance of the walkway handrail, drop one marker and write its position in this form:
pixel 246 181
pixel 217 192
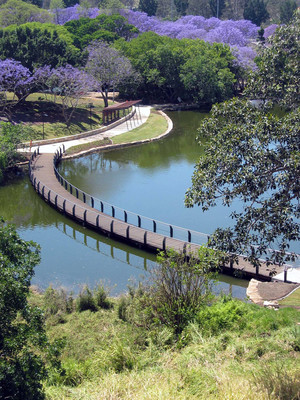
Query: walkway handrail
pixel 129 217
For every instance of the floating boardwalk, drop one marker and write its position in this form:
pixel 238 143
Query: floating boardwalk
pixel 60 194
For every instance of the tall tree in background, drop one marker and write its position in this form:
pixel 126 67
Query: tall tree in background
pixel 181 6
pixel 108 67
pixel 217 7
pixel 253 156
pixel 256 11
pixel 148 6
pixel 287 9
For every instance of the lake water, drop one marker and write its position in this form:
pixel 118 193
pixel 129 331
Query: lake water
pixel 150 179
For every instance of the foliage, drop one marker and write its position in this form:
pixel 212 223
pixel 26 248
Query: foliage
pixel 253 156
pixel 173 70
pixel 68 82
pixel 101 294
pixel 22 333
pixel 256 11
pixel 85 300
pixel 148 6
pixel 235 33
pixel 108 67
pixel 10 137
pixel 176 290
pixel 19 12
pixel 278 76
pixel 287 10
pixel 217 7
pixel 15 78
pixel 24 44
pixel 104 27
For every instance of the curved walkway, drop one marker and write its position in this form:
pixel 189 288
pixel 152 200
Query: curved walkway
pixel 140 116
pixel 46 184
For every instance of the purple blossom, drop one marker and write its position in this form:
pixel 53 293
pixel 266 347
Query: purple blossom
pixel 15 78
pixel 270 30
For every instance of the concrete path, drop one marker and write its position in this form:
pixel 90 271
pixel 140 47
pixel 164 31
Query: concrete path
pixel 141 116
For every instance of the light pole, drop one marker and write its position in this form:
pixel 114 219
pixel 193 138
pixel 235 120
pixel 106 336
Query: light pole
pixel 44 115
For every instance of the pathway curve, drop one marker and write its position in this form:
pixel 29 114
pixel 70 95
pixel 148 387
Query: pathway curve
pixel 139 118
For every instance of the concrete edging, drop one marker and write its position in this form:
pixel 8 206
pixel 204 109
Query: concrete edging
pixel 123 145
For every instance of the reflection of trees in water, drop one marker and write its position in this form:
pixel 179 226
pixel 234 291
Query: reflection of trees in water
pixel 22 206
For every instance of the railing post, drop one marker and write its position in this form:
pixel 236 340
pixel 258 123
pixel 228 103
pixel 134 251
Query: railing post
pixel 43 191
pixel 145 237
pixel 84 216
pixel 139 221
pixel 56 201
pixel 189 236
pixel 125 216
pixel 184 248
pixel 49 196
pixel 101 206
pixel 154 226
pixel 171 231
pixel 38 187
pixel 84 197
pixel 61 180
pixel 113 211
pixel 73 210
pixel 127 232
pixel 77 194
pixel 112 226
pixel 66 185
pixel 71 189
pixel 164 243
pixel 97 221
pixel 92 202
pixel 64 206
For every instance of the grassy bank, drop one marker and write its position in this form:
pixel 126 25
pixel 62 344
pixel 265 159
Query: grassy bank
pixel 232 350
pixel 43 113
pixel 155 125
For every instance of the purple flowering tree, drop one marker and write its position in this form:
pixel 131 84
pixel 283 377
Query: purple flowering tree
pixel 68 82
pixel 15 79
pixel 108 67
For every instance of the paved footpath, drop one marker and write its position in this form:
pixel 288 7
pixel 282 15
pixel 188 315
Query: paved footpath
pixel 141 116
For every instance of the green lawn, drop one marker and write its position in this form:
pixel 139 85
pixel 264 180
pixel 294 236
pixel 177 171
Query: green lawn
pixel 292 300
pixel 87 146
pixel 155 125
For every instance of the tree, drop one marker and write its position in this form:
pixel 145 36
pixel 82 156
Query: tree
pixel 176 289
pixel 22 368
pixel 181 6
pixel 287 9
pixel 68 82
pixel 15 78
pixel 107 28
pixel 278 76
pixel 36 46
pixel 18 12
pixel 148 6
pixel 11 136
pixel 256 11
pixel 253 156
pixel 108 67
pixel 56 6
pixel 217 7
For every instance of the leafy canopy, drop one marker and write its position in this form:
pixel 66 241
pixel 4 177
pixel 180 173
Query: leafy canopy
pixel 254 156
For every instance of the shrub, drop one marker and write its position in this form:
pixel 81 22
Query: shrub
pixel 222 315
pixel 85 300
pixel 57 302
pixel 101 297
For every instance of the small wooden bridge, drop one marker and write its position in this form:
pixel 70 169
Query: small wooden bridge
pixel 144 233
